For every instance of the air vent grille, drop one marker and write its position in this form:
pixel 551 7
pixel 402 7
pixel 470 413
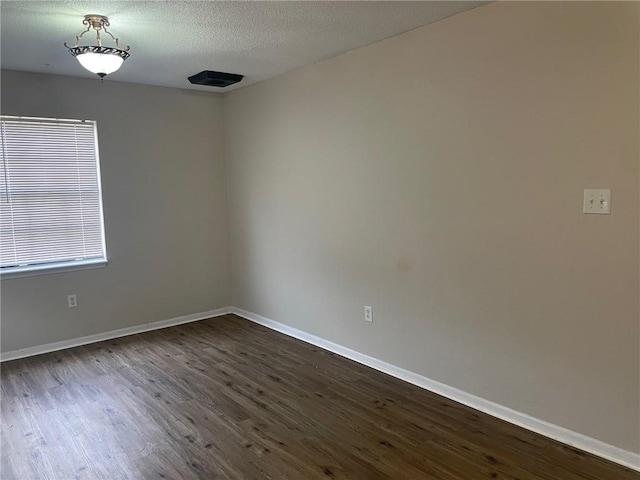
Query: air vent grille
pixel 215 79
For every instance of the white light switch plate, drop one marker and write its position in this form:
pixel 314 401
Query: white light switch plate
pixel 597 201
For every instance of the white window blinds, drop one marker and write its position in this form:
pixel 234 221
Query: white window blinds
pixel 50 198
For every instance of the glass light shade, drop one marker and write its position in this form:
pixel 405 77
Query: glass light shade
pixel 100 63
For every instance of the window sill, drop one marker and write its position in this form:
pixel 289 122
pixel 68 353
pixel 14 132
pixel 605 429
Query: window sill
pixel 19 272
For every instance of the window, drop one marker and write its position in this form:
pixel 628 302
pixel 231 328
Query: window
pixel 50 197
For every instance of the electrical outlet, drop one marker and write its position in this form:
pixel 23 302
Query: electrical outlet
pixel 597 201
pixel 368 314
pixel 72 301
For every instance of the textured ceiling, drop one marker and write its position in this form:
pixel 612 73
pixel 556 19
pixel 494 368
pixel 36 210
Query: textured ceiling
pixel 171 40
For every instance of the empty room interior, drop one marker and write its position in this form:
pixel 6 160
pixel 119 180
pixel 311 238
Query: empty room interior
pixel 320 240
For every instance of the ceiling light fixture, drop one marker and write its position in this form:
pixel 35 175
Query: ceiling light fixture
pixel 96 58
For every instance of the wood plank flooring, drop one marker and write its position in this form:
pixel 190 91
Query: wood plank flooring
pixel 228 399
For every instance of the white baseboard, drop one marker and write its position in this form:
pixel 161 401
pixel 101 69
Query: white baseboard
pixel 122 332
pixel 561 434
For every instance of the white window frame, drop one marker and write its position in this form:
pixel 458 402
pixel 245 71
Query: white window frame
pixel 63 266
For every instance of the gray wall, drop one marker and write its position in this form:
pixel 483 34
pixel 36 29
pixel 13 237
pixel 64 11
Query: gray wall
pixel 438 176
pixel 165 209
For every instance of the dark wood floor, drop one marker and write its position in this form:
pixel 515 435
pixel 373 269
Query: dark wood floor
pixel 225 398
